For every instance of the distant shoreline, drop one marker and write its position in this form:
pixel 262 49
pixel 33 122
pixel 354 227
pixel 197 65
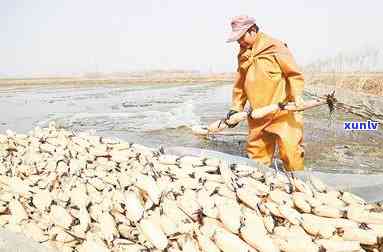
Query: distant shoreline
pixel 367 83
pixel 106 80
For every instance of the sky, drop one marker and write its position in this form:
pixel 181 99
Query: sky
pixel 78 36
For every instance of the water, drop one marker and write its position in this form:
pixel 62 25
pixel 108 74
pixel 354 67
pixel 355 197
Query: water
pixel 162 114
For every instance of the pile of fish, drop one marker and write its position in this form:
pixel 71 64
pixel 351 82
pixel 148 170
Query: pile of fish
pixel 82 192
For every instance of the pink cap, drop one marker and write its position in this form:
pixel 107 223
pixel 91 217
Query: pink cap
pixel 239 26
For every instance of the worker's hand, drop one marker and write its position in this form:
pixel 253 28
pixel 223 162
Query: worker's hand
pixel 282 105
pixel 228 115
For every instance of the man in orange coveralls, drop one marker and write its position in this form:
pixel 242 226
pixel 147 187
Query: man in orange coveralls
pixel 267 74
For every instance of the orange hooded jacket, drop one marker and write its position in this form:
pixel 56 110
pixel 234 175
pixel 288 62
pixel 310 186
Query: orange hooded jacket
pixel 267 74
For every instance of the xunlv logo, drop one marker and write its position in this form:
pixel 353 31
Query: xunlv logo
pixel 369 125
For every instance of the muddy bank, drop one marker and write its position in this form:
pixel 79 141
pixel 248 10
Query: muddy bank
pixel 368 83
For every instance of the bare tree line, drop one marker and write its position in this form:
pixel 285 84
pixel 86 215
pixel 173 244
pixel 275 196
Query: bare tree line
pixel 367 59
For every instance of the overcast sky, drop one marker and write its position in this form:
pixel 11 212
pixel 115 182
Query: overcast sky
pixel 72 36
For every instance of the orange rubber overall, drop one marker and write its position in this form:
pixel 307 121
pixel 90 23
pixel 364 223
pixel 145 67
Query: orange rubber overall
pixel 267 74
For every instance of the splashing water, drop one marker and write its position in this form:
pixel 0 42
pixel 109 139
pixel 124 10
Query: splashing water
pixel 141 121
